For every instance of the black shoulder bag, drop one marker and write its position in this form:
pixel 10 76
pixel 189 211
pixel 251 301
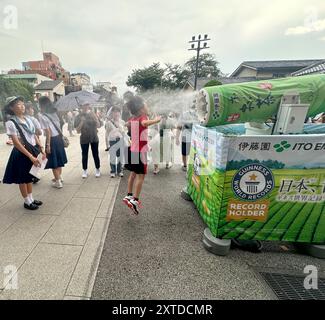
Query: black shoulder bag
pixel 34 150
pixel 66 141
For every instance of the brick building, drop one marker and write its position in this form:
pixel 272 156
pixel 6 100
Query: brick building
pixel 49 67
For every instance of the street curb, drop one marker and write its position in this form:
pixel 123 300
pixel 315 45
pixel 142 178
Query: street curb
pixel 92 276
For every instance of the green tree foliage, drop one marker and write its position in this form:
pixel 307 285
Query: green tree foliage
pixel 173 77
pixel 147 78
pixel 10 87
pixel 207 66
pixel 212 83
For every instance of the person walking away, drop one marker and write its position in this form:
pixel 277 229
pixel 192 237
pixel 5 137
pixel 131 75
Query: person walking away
pixel 70 120
pixel 55 151
pixel 162 144
pixel 184 127
pixel 116 131
pixel 87 124
pixel 27 147
pixel 137 163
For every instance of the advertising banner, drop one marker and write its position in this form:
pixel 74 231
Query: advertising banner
pixel 259 187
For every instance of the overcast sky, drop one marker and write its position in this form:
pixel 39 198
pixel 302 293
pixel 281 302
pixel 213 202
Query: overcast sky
pixel 107 39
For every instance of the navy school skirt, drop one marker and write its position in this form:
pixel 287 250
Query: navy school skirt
pixel 58 157
pixel 18 167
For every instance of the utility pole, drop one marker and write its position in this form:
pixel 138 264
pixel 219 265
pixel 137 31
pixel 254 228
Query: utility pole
pixel 198 48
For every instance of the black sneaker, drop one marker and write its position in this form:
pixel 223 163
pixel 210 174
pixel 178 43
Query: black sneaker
pixel 37 202
pixel 31 206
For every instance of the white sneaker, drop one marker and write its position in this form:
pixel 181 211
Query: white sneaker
pixel 97 175
pixel 85 174
pixel 134 206
pixel 127 199
pixel 57 184
pixel 113 175
pixel 169 165
pixel 156 171
pixel 121 174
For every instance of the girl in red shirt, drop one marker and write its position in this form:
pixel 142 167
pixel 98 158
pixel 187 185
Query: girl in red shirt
pixel 137 155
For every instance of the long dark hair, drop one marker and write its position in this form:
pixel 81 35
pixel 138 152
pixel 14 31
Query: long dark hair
pixel 135 104
pixel 46 105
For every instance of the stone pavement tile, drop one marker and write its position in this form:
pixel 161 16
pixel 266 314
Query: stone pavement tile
pixel 15 204
pixel 73 176
pixel 75 222
pixel 93 187
pixel 8 218
pixel 55 200
pixel 20 239
pixel 107 204
pixel 7 192
pixel 84 275
pixel 46 273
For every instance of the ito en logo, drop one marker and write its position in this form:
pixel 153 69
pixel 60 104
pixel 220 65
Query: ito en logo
pixel 284 145
pixel 253 182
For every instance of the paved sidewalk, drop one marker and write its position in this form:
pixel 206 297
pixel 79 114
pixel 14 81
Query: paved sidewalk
pixel 57 248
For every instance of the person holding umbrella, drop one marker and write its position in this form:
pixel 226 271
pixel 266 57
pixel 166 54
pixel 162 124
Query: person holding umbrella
pixel 87 124
pixel 55 151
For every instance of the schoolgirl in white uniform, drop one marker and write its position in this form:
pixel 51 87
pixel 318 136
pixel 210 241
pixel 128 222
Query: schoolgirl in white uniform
pixel 24 154
pixel 55 151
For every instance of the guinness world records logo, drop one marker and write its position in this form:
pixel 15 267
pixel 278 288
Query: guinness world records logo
pixel 253 182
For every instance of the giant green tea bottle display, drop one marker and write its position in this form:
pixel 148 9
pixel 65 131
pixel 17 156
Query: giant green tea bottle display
pixel 257 101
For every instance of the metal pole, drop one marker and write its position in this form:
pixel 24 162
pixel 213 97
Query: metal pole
pixel 198 49
pixel 197 65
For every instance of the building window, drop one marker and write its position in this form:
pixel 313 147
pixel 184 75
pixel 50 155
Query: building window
pixel 279 75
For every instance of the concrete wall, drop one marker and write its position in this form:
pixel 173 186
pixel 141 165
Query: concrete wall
pixel 58 90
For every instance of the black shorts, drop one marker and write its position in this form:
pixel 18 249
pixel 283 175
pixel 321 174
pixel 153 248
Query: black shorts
pixel 186 148
pixel 136 162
